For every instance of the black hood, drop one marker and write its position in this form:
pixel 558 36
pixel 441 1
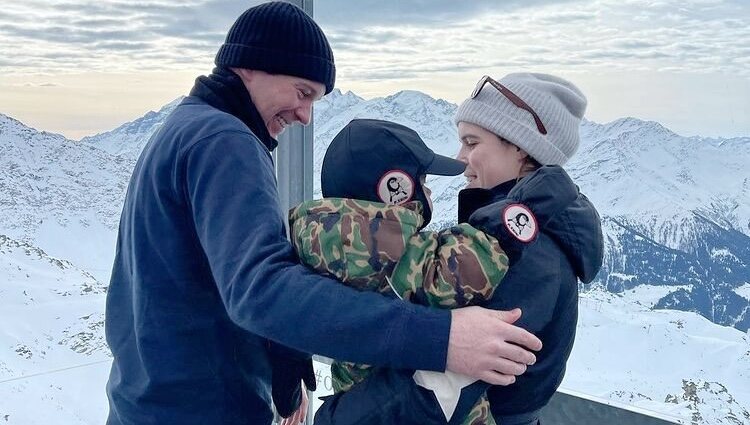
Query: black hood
pixel 578 231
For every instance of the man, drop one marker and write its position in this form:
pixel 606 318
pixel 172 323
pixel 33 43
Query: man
pixel 204 277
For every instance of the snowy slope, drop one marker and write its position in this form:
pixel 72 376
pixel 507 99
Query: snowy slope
pixel 52 319
pixel 662 360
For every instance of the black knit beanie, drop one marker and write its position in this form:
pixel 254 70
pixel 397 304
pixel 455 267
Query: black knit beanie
pixel 279 38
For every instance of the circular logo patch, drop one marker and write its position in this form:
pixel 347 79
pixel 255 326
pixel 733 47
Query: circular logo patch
pixel 520 222
pixel 395 187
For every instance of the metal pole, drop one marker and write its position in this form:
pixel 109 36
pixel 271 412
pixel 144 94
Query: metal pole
pixel 294 170
pixel 294 156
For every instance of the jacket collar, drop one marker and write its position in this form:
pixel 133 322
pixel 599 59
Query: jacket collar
pixel 225 91
pixel 470 200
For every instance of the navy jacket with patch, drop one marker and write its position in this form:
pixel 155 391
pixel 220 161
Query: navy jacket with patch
pixel 543 283
pixel 204 277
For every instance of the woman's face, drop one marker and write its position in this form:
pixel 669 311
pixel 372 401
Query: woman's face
pixel 489 160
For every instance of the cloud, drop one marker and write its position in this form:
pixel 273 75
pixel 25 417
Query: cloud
pixel 572 38
pixel 122 46
pixel 390 38
pixel 635 44
pixel 41 85
pixel 69 35
pixel 423 13
pixel 565 17
pixel 99 22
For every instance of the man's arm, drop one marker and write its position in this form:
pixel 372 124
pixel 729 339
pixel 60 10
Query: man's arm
pixel 230 186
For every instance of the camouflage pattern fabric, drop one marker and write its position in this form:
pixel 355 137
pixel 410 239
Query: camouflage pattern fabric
pixel 480 414
pixel 373 246
pixel 346 374
pixel 451 268
pixel 357 242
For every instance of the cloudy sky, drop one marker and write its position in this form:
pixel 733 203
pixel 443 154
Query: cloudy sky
pixel 79 67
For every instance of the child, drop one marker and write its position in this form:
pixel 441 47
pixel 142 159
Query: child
pixel 366 232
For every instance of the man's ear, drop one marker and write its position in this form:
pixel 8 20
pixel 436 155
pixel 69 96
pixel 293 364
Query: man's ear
pixel 245 74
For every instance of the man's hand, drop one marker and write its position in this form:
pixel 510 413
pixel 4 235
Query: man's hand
pixel 298 417
pixel 485 345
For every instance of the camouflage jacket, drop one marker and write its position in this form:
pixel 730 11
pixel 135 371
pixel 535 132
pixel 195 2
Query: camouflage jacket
pixel 377 247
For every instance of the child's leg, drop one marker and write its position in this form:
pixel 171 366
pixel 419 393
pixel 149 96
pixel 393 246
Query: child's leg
pixel 480 414
pixel 345 375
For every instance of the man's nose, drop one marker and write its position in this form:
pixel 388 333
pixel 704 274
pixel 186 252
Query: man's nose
pixel 304 113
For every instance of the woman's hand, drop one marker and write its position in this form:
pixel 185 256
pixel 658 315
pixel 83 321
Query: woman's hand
pixel 298 417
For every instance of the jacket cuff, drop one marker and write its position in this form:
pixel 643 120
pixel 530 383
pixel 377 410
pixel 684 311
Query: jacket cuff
pixel 423 339
pixel 282 352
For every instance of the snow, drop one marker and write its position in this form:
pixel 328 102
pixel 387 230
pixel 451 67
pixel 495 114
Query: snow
pixel 70 396
pixel 93 249
pixel 649 295
pixel 52 319
pixel 743 291
pixel 723 253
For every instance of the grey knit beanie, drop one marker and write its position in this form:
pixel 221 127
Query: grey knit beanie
pixel 559 104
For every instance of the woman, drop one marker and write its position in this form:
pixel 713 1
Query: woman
pixel 509 129
pixel 515 134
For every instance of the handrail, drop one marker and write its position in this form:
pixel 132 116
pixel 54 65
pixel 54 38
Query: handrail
pixel 53 371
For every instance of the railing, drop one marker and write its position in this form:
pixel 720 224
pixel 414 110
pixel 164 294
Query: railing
pixel 64 395
pixel 569 407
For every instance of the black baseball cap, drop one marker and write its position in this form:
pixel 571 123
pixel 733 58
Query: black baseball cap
pixel 382 161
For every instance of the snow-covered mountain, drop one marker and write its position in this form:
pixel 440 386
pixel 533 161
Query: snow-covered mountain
pixel 676 211
pixel 129 139
pixel 61 194
pixel 676 214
